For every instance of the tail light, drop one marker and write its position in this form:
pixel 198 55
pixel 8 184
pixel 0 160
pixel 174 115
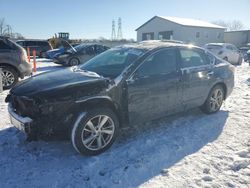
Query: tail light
pixel 24 55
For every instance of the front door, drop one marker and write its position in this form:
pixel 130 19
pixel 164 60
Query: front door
pixel 153 89
pixel 197 76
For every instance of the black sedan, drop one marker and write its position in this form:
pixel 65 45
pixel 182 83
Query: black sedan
pixel 79 54
pixel 125 85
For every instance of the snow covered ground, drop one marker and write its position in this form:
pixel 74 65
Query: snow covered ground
pixel 186 150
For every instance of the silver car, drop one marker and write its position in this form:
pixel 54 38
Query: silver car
pixel 225 51
pixel 13 62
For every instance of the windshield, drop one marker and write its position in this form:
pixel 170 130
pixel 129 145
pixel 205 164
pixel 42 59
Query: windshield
pixel 77 48
pixel 214 47
pixel 112 62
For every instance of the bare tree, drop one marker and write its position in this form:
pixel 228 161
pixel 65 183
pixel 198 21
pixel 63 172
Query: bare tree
pixel 2 25
pixel 221 23
pixel 17 36
pixel 234 25
pixel 6 30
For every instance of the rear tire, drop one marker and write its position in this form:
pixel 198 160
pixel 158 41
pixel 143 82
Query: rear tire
pixel 214 100
pixel 9 77
pixel 240 61
pixel 94 131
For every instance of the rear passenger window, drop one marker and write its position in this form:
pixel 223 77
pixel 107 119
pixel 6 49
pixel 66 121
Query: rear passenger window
pixel 4 46
pixel 161 62
pixel 192 58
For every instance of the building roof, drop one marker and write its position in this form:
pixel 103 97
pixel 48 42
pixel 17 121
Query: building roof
pixel 186 22
pixel 238 31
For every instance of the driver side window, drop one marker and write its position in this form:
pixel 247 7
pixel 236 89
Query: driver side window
pixel 162 62
pixel 89 50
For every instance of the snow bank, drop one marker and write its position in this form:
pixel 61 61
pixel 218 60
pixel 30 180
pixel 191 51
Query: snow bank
pixel 186 150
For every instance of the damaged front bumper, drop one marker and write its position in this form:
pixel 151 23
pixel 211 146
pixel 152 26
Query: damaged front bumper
pixel 22 123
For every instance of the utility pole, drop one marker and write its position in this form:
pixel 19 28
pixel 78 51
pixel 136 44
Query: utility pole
pixel 119 32
pixel 113 34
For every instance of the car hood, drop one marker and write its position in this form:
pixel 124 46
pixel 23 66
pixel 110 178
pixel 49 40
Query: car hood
pixel 67 81
pixel 54 50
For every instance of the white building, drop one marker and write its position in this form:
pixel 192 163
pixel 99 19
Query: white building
pixel 238 38
pixel 187 30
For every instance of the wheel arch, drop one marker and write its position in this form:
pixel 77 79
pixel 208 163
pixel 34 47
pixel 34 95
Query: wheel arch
pixel 223 85
pixel 101 102
pixel 73 57
pixel 10 66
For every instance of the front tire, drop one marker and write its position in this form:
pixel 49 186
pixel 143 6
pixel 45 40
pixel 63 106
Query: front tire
pixel 214 100
pixel 94 131
pixel 74 61
pixel 9 77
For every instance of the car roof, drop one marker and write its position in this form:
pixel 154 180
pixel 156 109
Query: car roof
pixel 32 40
pixel 152 44
pixel 220 44
pixel 216 44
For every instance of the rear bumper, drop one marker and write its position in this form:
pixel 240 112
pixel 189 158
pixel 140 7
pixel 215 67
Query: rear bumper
pixel 24 124
pixel 25 69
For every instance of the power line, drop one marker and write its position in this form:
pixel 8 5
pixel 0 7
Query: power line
pixel 113 35
pixel 119 32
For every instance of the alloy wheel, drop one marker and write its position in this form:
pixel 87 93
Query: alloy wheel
pixel 74 62
pixel 8 78
pixel 98 132
pixel 216 100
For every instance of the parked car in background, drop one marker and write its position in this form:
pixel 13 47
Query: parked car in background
pixel 79 54
pixel 125 85
pixel 248 56
pixel 41 46
pixel 13 61
pixel 61 48
pixel 244 50
pixel 226 51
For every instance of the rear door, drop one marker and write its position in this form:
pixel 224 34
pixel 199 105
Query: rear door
pixel 197 76
pixel 8 53
pixel 153 88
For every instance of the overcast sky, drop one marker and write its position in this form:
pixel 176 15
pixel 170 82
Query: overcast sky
pixel 93 18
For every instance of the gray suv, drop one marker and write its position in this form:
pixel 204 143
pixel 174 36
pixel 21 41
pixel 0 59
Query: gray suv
pixel 13 61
